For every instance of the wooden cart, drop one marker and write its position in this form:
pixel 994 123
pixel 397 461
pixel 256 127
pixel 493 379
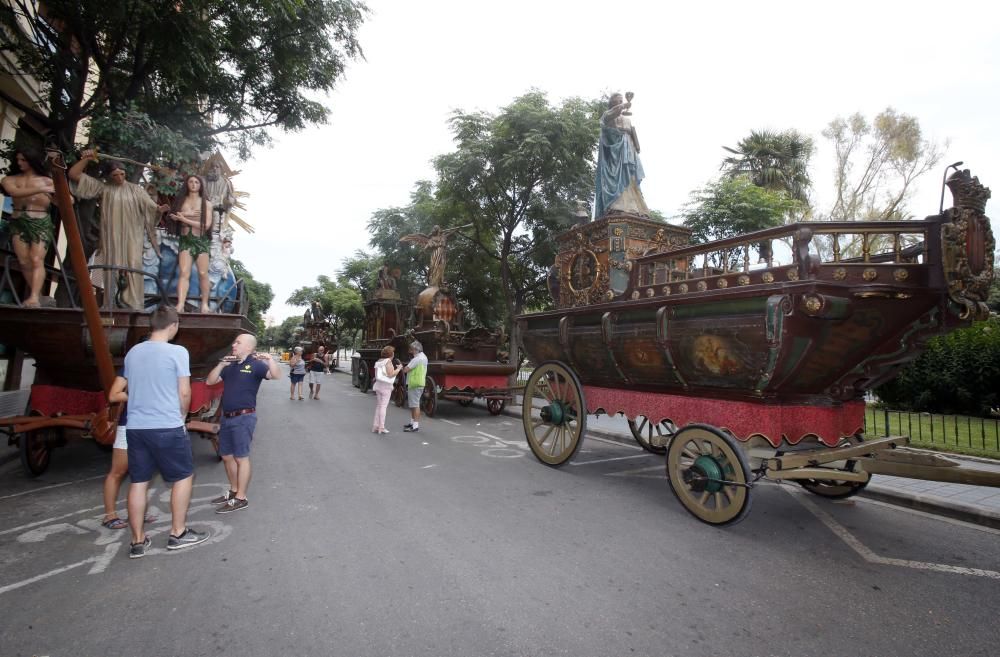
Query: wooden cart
pixel 737 372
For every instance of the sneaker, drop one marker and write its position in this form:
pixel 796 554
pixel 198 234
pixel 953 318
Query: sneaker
pixel 407 426
pixel 234 504
pixel 187 539
pixel 410 428
pixel 222 499
pixel 138 550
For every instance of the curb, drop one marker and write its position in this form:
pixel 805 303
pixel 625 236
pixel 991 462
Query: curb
pixel 875 491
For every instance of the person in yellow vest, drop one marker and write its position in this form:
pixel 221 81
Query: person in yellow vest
pixel 416 378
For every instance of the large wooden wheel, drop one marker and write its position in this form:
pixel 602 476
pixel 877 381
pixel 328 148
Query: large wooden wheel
pixel 643 431
pixel 554 413
pixel 364 377
pixel 428 400
pixel 836 489
pixel 36 448
pixel 399 394
pixel 709 474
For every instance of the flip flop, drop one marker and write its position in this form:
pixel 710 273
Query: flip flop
pixel 114 523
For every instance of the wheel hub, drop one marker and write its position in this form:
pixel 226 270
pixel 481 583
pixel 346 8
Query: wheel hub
pixel 705 474
pixel 553 413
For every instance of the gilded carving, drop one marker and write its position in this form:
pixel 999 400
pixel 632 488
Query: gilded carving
pixel 901 275
pixel 650 292
pixel 839 274
pixel 665 290
pixel 682 288
pixel 743 279
pixel 702 286
pixel 792 274
pixel 968 246
pixel 812 304
pixel 723 283
pixel 767 277
pixel 635 294
pixel 869 274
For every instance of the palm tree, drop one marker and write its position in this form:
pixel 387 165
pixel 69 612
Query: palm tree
pixel 777 161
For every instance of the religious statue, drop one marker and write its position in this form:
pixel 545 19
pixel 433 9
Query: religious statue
pixel 436 243
pixel 619 170
pixel 219 190
pixel 386 281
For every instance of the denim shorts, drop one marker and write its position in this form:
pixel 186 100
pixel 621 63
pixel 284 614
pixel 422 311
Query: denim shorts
pixel 297 378
pixel 413 396
pixel 165 450
pixel 236 435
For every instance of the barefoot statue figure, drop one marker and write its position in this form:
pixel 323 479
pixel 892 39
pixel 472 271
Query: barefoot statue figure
pixel 436 243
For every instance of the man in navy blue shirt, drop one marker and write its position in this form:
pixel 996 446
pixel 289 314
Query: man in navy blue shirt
pixel 241 372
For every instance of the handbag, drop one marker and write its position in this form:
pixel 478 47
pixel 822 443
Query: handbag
pixel 380 375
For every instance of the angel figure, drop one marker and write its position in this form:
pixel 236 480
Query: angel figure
pixel 436 243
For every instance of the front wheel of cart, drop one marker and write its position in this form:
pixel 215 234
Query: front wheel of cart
pixel 709 474
pixel 554 413
pixel 644 432
pixel 36 449
pixel 364 377
pixel 399 394
pixel 495 406
pixel 428 400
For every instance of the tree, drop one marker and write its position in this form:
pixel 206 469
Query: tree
pixel 259 295
pixel 777 161
pixel 733 206
pixel 204 68
pixel 471 274
pixel 341 305
pixel 516 176
pixel 283 335
pixel 877 164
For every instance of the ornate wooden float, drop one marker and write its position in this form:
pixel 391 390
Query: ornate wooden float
pixel 78 348
pixel 749 357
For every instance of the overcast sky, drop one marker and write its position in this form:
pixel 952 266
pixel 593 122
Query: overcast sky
pixel 704 75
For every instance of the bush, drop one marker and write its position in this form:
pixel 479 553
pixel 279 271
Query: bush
pixel 958 373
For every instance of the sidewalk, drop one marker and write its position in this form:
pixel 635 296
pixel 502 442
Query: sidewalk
pixel 977 504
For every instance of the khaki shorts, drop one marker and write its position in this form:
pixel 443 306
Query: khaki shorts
pixel 314 377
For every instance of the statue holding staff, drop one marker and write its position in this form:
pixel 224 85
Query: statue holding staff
pixel 436 243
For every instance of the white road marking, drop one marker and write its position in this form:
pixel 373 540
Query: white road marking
pixel 617 458
pixel 39 490
pixel 612 442
pixel 450 422
pixel 111 540
pixel 868 555
pixel 428 466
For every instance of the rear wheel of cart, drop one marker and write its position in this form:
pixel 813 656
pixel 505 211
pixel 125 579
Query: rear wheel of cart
pixel 554 413
pixel 836 489
pixel 364 377
pixel 495 406
pixel 709 474
pixel 428 400
pixel 643 431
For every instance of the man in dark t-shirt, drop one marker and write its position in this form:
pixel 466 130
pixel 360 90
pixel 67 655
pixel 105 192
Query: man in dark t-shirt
pixel 316 367
pixel 242 371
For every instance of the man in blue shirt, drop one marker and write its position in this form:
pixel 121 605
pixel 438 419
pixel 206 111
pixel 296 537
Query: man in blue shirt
pixel 158 377
pixel 242 371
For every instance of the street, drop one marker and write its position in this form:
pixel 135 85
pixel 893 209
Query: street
pixel 456 541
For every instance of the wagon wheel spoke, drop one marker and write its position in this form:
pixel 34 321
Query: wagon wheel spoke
pixel 699 460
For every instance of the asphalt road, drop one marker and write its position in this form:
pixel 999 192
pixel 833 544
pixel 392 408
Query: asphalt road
pixel 456 541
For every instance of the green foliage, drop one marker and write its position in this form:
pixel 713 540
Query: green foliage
pixel 958 373
pixel 516 176
pixel 205 68
pixel 734 206
pixel 342 306
pixel 877 163
pixel 778 161
pixel 259 295
pixel 283 336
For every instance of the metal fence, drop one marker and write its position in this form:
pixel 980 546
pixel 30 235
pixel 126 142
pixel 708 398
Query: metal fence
pixel 930 429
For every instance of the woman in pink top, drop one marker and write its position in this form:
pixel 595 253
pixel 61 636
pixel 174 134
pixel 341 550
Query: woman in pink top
pixel 385 373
